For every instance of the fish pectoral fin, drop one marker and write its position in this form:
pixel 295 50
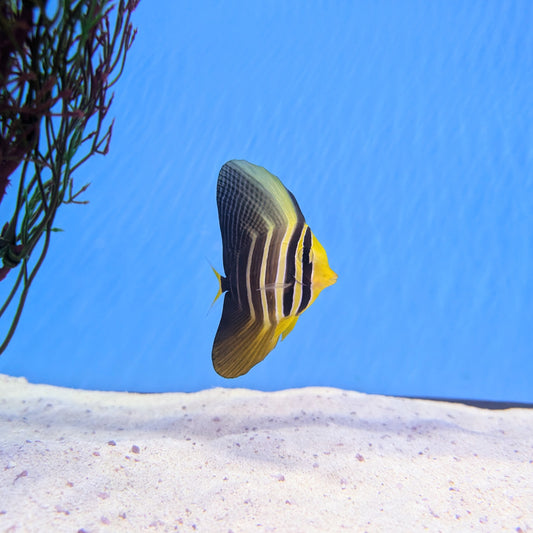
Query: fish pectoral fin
pixel 274 286
pixel 288 326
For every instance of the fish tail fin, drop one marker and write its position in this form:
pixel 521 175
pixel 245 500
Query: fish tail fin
pixel 220 281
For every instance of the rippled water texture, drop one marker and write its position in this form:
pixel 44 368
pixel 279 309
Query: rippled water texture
pixel 404 129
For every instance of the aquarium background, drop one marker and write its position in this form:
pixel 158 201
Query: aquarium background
pixel 405 131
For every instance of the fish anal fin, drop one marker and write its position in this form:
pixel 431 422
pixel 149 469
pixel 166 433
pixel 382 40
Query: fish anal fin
pixel 240 342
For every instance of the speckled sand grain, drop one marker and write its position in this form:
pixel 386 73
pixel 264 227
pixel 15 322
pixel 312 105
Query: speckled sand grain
pixel 220 460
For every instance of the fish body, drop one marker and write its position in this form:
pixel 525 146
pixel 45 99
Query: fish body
pixel 274 266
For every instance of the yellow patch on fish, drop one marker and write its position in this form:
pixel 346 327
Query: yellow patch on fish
pixel 274 266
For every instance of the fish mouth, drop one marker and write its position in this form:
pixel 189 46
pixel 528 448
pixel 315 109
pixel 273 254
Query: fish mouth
pixel 331 279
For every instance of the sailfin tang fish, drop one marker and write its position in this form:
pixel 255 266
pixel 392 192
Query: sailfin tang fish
pixel 274 266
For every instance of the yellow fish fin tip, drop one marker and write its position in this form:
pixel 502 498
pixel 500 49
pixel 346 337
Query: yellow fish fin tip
pixel 290 326
pixel 220 291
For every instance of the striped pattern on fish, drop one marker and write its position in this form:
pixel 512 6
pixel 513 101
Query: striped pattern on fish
pixel 274 266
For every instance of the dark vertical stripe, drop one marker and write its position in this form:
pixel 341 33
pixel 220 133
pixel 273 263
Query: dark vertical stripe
pixel 307 271
pixel 238 279
pixel 272 258
pixel 290 268
pixel 255 277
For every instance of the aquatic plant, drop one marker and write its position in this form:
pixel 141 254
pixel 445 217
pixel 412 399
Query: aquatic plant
pixel 58 62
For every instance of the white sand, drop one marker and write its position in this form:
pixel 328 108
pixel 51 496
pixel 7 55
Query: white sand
pixel 313 459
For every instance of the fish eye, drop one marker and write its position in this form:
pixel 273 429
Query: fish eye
pixel 305 255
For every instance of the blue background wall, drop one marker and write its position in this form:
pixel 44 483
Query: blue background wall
pixel 405 131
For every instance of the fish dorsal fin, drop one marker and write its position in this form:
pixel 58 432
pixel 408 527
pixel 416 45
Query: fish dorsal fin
pixel 251 201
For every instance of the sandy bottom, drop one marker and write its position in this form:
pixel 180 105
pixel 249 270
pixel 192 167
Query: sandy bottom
pixel 313 459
